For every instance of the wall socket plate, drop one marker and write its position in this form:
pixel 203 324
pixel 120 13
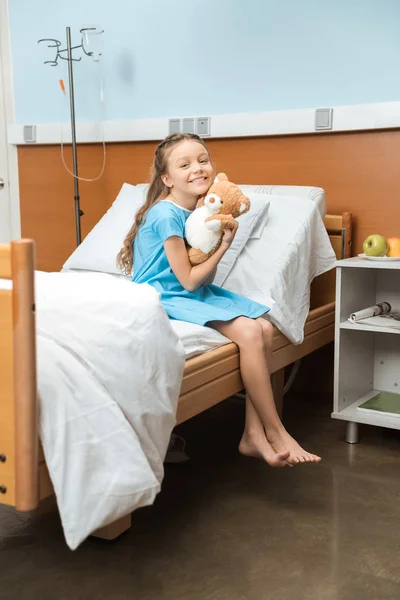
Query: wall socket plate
pixel 174 126
pixel 323 118
pixel 29 133
pixel 188 125
pixel 203 126
pixel 199 125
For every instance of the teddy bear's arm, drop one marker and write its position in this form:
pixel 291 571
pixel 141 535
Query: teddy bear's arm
pixel 214 225
pixel 225 222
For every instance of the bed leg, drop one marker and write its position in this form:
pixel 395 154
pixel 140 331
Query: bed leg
pixel 278 384
pixel 115 529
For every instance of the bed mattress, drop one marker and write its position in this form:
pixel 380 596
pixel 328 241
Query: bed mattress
pixel 197 339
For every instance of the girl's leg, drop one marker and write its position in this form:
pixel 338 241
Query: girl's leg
pixel 254 442
pixel 254 339
pixel 278 436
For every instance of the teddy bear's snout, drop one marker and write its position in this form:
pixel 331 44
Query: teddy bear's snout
pixel 214 202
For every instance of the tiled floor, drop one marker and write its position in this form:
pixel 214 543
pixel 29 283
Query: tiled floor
pixel 230 528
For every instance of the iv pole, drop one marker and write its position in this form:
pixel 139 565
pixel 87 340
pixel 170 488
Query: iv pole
pixel 78 211
pixel 59 54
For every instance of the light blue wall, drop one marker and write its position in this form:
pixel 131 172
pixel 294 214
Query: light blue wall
pixel 199 57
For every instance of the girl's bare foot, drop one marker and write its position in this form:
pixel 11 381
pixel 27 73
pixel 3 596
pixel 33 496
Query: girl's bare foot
pixel 258 446
pixel 281 441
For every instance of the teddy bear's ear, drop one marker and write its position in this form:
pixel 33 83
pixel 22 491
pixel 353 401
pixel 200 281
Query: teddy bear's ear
pixel 220 177
pixel 244 205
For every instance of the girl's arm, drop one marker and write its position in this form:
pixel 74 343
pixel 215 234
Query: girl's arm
pixel 193 277
pixel 210 278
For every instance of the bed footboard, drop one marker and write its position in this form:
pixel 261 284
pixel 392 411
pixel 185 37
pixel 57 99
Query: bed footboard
pixel 18 390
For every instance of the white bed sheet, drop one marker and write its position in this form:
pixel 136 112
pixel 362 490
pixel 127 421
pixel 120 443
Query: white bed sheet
pixel 196 339
pixel 109 375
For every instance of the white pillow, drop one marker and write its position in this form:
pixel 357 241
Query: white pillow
pixel 251 226
pixel 315 194
pixel 99 249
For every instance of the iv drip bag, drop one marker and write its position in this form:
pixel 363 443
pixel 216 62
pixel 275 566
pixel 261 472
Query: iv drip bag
pixel 92 41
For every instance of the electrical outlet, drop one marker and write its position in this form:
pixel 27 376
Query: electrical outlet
pixel 174 126
pixel 203 125
pixel 323 118
pixel 188 125
pixel 29 133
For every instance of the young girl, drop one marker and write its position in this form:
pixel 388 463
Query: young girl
pixel 155 248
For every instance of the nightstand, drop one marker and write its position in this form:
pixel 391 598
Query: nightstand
pixel 367 358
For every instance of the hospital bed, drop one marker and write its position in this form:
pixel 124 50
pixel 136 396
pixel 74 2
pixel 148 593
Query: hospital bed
pixel 209 377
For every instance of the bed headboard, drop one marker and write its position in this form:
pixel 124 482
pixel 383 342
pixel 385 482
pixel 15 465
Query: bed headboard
pixel 339 228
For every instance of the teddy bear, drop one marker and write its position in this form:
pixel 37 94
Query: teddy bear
pixel 204 228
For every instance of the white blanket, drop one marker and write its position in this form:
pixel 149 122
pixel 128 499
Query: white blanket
pixel 277 269
pixel 109 375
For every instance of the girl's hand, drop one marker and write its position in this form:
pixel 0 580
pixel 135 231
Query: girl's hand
pixel 230 233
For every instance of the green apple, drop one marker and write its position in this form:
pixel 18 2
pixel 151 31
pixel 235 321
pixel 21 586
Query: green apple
pixel 375 245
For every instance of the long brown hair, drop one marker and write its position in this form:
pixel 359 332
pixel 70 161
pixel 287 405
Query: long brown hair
pixel 157 191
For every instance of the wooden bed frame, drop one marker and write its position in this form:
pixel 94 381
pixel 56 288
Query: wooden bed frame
pixel 208 378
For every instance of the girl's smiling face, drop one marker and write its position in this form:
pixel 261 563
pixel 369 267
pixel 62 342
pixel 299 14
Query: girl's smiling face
pixel 190 172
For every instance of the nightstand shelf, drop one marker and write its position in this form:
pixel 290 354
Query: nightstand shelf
pixel 367 358
pixel 362 327
pixel 353 413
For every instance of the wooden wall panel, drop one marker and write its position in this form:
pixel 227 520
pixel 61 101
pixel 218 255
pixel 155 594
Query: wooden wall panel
pixel 359 171
pixel 47 192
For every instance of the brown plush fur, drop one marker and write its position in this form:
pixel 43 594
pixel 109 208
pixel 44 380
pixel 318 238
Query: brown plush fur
pixel 235 203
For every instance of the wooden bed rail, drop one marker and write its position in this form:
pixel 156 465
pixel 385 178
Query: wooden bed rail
pixel 19 476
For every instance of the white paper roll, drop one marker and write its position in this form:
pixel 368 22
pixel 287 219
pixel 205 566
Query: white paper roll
pixel 383 308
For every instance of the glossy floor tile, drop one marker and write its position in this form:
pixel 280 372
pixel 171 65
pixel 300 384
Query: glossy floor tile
pixel 227 527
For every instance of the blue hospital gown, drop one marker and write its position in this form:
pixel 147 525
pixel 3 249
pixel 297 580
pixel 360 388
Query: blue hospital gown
pixel 207 303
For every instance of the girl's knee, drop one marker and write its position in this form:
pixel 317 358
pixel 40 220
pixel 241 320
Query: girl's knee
pixel 267 328
pixel 250 334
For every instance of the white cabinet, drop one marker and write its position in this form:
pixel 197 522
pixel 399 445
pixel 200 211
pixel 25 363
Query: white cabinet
pixel 367 358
